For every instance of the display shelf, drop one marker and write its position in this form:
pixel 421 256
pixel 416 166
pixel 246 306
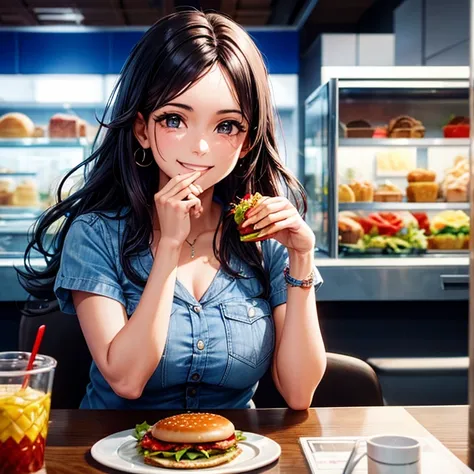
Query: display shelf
pixel 43 143
pixel 17 174
pixel 403 142
pixel 404 206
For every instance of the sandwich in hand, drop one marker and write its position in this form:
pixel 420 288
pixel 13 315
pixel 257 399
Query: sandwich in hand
pixel 240 211
pixel 189 441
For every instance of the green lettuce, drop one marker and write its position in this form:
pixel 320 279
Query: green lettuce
pixel 141 430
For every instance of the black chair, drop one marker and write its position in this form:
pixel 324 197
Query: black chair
pixel 347 382
pixel 62 340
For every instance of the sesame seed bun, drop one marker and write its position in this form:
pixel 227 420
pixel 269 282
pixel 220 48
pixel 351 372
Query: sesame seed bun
pixel 193 428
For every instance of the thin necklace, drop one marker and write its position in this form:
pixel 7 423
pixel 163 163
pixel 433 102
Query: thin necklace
pixel 191 244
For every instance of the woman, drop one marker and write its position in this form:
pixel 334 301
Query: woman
pixel 176 311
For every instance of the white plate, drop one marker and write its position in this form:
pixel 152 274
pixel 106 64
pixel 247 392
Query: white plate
pixel 119 452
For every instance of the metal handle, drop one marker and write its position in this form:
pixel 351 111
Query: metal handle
pixel 454 282
pixel 353 461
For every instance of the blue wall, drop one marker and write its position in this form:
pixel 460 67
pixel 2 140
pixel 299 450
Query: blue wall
pixel 32 51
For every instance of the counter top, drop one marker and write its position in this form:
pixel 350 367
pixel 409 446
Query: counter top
pixel 428 261
pixel 73 432
pixel 347 279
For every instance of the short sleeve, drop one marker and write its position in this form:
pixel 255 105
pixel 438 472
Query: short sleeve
pixel 87 263
pixel 275 257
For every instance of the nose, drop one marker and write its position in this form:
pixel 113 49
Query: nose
pixel 201 148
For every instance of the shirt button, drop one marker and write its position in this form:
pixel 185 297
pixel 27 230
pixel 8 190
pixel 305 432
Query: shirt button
pixel 251 312
pixel 197 309
pixel 192 392
pixel 195 377
pixel 200 345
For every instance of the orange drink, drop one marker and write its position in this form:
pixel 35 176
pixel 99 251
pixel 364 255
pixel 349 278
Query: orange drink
pixel 24 412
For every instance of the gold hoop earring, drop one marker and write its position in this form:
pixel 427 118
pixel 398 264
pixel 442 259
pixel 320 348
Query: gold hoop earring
pixel 141 163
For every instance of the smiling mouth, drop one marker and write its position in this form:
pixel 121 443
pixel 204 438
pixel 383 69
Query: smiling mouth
pixel 191 167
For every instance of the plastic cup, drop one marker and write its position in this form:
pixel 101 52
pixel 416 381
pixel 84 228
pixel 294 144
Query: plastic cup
pixel 24 413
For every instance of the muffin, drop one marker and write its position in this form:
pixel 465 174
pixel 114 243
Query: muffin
pixel 388 192
pixel 26 194
pixel 363 191
pixel 7 186
pixel 346 194
pixel 422 186
pixel 420 175
pixel 350 231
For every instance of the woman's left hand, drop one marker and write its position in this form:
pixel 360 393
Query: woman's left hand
pixel 276 217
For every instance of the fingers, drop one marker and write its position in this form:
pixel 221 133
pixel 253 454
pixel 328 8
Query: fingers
pixel 184 193
pixel 275 217
pixel 192 203
pixel 177 184
pixel 293 223
pixel 264 208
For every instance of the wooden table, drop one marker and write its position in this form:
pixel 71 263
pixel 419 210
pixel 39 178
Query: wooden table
pixel 73 432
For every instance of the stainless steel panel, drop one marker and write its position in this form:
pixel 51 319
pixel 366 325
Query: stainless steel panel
pixel 409 33
pixel 446 24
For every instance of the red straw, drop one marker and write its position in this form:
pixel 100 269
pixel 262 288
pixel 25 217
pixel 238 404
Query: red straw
pixel 34 352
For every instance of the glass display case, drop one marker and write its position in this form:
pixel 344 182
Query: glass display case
pixel 386 166
pixel 30 172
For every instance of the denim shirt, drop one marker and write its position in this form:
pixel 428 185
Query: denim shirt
pixel 216 348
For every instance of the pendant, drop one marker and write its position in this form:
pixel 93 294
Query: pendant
pixel 192 251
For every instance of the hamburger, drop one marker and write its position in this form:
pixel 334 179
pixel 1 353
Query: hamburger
pixel 189 441
pixel 240 211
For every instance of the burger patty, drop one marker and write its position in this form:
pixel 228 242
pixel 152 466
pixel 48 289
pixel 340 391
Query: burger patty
pixel 153 444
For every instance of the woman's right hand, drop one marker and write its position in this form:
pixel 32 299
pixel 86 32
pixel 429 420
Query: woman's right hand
pixel 174 204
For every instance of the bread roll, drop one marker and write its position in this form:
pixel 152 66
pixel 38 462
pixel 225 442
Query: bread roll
pixel 16 125
pixel 363 191
pixel 346 194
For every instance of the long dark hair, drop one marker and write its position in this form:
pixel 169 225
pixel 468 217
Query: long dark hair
pixel 169 58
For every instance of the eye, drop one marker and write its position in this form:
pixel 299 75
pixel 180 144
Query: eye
pixel 230 127
pixel 169 120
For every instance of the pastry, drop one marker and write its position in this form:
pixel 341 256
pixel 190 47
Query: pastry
pixel 388 192
pixel 359 129
pixel 7 186
pixel 26 194
pixel 16 125
pixel 346 194
pixel 405 127
pixel 457 127
pixel 38 132
pixel 456 190
pixel 363 191
pixel 422 186
pixel 64 126
pixel 455 185
pixel 350 231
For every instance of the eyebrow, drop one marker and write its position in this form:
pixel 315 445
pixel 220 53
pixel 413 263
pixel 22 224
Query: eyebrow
pixel 190 109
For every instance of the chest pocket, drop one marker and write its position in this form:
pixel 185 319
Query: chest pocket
pixel 249 329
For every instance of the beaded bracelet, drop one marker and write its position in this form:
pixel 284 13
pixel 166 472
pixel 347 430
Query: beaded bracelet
pixel 306 283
